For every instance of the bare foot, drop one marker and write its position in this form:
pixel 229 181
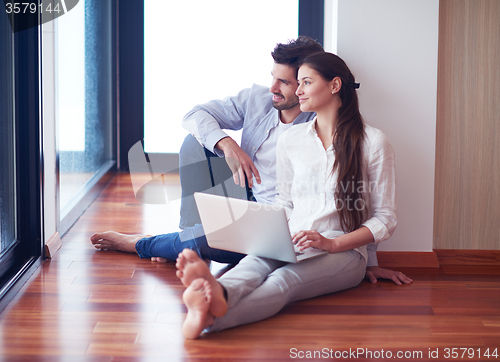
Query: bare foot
pixel 159 259
pixel 189 268
pixel 197 299
pixel 111 240
pixel 197 267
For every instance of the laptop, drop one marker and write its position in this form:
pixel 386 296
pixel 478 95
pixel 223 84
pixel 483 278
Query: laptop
pixel 248 227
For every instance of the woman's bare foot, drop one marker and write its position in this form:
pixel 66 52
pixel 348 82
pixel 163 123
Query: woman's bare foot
pixel 189 268
pixel 197 298
pixel 197 267
pixel 111 240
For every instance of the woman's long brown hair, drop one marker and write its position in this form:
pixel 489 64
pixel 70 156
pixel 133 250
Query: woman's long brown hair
pixel 347 142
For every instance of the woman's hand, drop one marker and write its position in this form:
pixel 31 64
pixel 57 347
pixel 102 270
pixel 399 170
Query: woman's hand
pixel 312 239
pixel 373 273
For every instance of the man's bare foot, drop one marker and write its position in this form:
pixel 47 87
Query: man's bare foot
pixel 189 268
pixel 197 298
pixel 111 240
pixel 159 259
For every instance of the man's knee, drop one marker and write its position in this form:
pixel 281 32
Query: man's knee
pixel 191 149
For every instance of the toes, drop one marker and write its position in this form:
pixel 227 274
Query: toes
pixel 159 259
pixel 207 290
pixel 190 255
pixel 180 260
pixel 179 264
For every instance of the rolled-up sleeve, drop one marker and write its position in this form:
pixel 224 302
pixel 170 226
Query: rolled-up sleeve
pixel 205 122
pixel 382 188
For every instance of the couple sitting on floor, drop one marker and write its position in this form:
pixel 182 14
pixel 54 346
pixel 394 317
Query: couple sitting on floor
pixel 314 164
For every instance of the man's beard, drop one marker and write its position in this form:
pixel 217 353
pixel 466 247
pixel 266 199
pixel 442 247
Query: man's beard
pixel 288 105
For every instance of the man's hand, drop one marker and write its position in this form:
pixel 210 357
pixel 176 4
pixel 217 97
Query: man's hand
pixel 239 162
pixel 374 272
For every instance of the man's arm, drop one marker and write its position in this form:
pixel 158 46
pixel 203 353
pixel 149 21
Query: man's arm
pixel 206 123
pixel 239 162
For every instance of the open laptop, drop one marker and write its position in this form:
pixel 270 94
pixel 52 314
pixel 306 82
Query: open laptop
pixel 249 228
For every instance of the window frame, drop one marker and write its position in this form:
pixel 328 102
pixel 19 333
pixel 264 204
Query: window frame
pixel 24 256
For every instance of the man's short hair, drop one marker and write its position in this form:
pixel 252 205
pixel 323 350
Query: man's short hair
pixel 295 51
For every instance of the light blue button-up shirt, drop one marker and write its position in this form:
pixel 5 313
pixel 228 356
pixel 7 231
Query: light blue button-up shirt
pixel 250 110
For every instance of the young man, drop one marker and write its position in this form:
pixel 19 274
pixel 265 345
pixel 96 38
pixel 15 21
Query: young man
pixel 262 114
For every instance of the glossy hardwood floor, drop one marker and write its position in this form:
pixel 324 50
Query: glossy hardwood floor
pixel 89 305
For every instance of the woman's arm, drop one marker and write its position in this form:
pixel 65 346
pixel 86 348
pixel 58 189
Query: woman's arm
pixel 381 172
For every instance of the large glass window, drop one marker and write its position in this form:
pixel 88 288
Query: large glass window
pixel 84 101
pixel 20 152
pixel 7 146
pixel 200 50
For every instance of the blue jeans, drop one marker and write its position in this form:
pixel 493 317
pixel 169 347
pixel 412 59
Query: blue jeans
pixel 168 246
pixel 200 171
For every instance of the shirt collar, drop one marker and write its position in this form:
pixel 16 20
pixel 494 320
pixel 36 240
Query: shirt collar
pixel 311 130
pixel 302 117
pixel 311 127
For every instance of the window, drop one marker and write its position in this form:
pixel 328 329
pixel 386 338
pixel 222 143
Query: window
pixel 200 50
pixel 85 105
pixel 7 145
pixel 20 189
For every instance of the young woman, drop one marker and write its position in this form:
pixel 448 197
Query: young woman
pixel 336 178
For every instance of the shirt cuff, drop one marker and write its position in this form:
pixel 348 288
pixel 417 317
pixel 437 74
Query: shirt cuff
pixel 212 139
pixel 378 230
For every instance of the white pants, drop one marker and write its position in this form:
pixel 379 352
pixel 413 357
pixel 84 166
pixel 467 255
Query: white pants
pixel 258 288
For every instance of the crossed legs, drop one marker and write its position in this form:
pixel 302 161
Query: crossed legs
pixel 259 288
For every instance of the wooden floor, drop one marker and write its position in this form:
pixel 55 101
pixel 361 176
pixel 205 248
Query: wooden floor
pixel 88 305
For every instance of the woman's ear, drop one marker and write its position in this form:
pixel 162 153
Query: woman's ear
pixel 336 84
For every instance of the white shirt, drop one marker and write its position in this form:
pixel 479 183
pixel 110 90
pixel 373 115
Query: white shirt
pixel 265 161
pixel 306 185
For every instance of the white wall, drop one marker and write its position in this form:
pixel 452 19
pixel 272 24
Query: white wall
pixel 391 47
